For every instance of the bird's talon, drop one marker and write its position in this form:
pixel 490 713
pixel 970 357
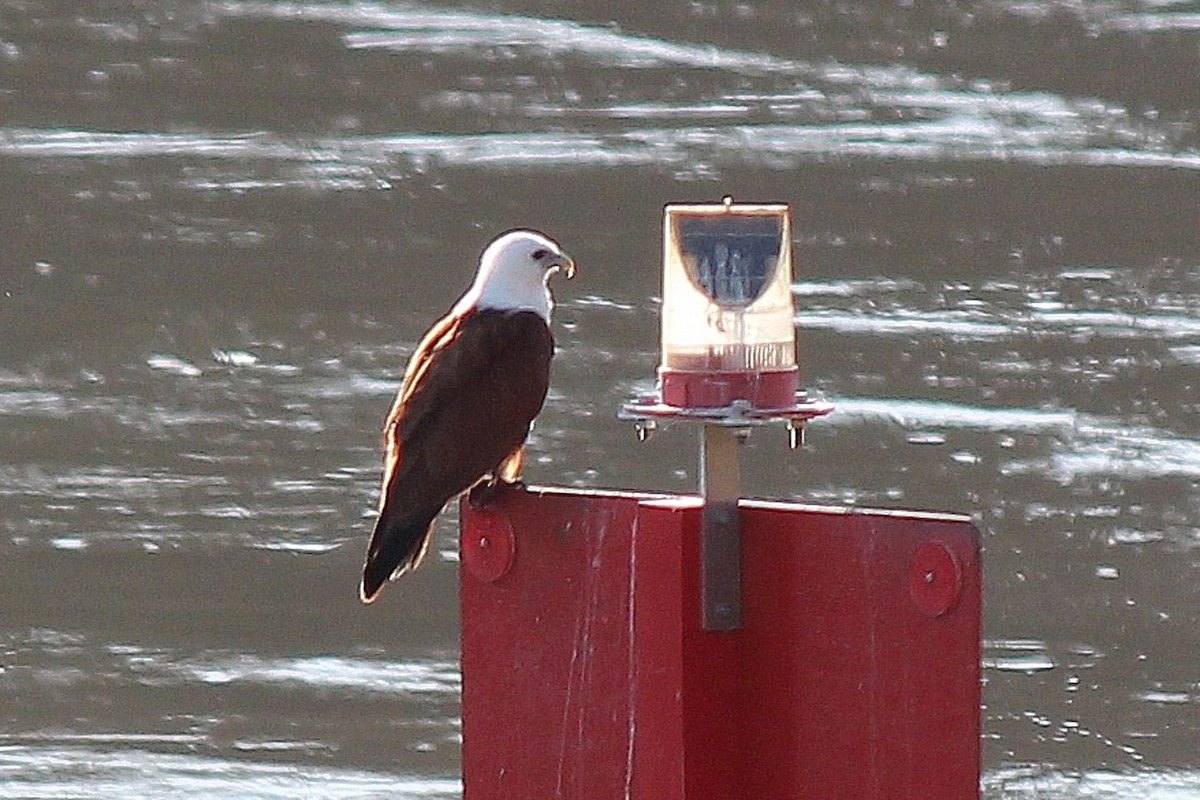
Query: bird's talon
pixel 481 494
pixel 485 493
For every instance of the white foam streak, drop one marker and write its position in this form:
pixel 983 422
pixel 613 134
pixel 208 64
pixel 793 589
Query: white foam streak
pixel 1112 449
pixel 1079 444
pixel 402 677
pixel 415 28
pixel 925 414
pixel 1049 784
pixel 982 325
pixel 959 325
pixel 32 772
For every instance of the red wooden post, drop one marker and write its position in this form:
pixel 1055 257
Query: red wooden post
pixel 619 646
pixel 587 673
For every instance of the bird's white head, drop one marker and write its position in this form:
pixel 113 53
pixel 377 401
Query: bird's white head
pixel 514 273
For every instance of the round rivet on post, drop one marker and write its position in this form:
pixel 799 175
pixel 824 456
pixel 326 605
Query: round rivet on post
pixel 934 579
pixel 488 546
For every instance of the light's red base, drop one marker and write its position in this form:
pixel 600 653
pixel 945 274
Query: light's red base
pixel 717 389
pixel 586 673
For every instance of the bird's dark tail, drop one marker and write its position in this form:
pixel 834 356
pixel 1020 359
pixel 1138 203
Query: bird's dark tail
pixel 397 546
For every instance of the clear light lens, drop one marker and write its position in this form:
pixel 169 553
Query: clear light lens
pixel 727 303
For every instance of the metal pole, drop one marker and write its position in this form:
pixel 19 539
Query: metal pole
pixel 721 536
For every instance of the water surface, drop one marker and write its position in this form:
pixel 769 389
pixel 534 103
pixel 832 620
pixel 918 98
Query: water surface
pixel 225 225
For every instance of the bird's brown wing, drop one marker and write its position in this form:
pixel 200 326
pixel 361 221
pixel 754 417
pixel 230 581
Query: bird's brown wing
pixel 470 392
pixel 474 386
pixel 432 344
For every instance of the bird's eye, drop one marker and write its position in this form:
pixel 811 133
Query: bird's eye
pixel 538 255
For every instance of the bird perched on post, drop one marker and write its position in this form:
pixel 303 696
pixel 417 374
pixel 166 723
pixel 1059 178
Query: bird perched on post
pixel 471 390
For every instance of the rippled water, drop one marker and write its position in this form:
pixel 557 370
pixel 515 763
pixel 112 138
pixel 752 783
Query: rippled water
pixel 225 224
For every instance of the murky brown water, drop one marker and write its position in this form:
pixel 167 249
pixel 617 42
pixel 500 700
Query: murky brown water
pixel 223 225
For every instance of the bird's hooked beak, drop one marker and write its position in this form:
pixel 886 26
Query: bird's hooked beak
pixel 564 264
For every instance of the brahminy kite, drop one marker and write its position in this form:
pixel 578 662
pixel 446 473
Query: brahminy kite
pixel 470 393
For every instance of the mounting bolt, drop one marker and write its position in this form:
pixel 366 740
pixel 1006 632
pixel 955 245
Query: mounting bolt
pixel 795 433
pixel 644 428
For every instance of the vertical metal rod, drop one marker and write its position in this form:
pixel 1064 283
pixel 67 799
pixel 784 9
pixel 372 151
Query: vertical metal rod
pixel 721 535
